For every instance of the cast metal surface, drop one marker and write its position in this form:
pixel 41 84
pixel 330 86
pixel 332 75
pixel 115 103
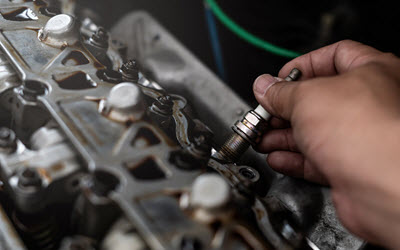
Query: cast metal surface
pixel 95 153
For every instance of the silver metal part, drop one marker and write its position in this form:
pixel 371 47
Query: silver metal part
pixel 125 102
pixel 60 31
pixel 251 127
pixel 249 130
pixel 103 153
pixel 294 75
pixel 8 140
pixel 209 191
pixel 123 236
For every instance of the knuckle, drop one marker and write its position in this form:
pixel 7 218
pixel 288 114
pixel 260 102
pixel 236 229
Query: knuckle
pixel 390 55
pixel 367 71
pixel 347 42
pixel 366 74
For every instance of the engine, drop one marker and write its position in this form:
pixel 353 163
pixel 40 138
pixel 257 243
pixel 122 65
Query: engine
pixel 108 141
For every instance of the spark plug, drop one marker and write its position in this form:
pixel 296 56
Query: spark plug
pixel 250 129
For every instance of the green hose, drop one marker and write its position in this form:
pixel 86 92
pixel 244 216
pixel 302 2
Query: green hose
pixel 247 36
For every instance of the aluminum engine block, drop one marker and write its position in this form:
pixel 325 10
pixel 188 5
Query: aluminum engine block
pixel 107 144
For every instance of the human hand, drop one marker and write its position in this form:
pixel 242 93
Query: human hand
pixel 340 125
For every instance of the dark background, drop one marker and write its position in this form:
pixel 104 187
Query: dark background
pixel 296 25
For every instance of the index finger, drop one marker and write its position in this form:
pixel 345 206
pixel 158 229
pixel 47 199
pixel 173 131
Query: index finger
pixel 331 60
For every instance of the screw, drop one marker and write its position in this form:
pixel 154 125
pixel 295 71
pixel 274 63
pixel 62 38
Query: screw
pixel 234 147
pixel 100 38
pixel 248 173
pixel 8 140
pixel 165 100
pixel 130 71
pixel 163 105
pixel 200 140
pixel 4 133
pixel 32 89
pixel 200 147
pixel 29 178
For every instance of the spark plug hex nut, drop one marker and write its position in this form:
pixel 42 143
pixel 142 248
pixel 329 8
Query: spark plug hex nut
pixel 252 126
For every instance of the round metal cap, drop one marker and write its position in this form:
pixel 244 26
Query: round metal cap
pixel 60 30
pixel 124 96
pixel 124 102
pixel 59 24
pixel 209 191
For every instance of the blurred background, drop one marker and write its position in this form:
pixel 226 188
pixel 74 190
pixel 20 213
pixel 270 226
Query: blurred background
pixel 299 26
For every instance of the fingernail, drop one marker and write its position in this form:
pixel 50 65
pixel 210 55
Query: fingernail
pixel 263 83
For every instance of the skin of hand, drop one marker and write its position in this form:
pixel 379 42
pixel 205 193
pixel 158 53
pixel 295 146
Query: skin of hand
pixel 340 126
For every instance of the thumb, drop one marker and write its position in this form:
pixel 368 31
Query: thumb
pixel 275 96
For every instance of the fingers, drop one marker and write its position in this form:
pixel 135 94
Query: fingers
pixel 293 164
pixel 287 163
pixel 278 139
pixel 276 123
pixel 331 60
pixel 277 98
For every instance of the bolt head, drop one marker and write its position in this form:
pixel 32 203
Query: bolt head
pixel 29 178
pixel 100 38
pixel 164 104
pixel 130 71
pixel 166 99
pixel 31 89
pixel 249 173
pixel 4 133
pixel 130 65
pixel 8 140
pixel 101 33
